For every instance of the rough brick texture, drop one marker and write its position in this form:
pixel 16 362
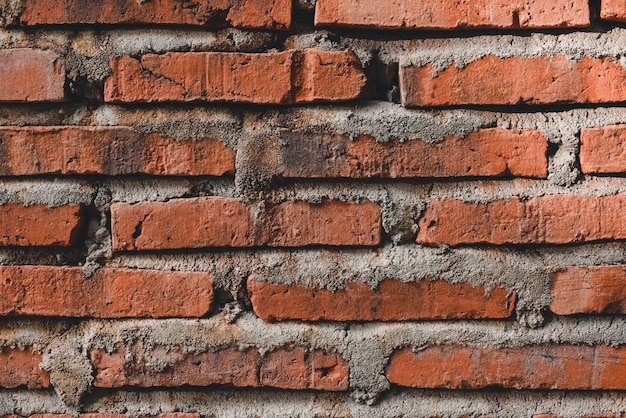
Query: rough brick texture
pixel 109 293
pixel 227 222
pixel 272 14
pixel 31 75
pixel 613 10
pixel 55 226
pixel 452 14
pixel 509 81
pixel 603 150
pixel 391 301
pixel 589 290
pixel 110 151
pixel 538 220
pixel 286 367
pixel 530 367
pixel 293 76
pixel 488 152
pixel 21 368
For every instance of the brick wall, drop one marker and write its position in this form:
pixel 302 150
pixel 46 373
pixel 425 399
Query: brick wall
pixel 342 208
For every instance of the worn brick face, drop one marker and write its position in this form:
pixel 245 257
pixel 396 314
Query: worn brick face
pixel 392 300
pixel 21 368
pixel 228 222
pixel 550 219
pixel 266 14
pixel 452 14
pixel 288 77
pixel 576 367
pixel 589 290
pixel 110 151
pixel 603 150
pixel 31 75
pixel 487 152
pixel 109 293
pixel 510 81
pixel 613 10
pixel 40 225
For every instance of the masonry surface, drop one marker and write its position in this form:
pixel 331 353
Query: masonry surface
pixel 312 208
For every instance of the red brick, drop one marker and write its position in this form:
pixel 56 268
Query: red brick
pixel 302 369
pixel 21 368
pixel 603 150
pixel 39 225
pixel 110 151
pixel 261 14
pixel 589 290
pixel 452 14
pixel 487 152
pixel 227 222
pixel 109 293
pixel 293 76
pixel 613 10
pixel 295 224
pixel 31 75
pixel 530 367
pixel 552 219
pixel 144 368
pixel 511 81
pixel 391 301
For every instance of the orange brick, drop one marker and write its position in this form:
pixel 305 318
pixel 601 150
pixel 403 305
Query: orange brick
pixel 302 369
pixel 452 14
pixel 31 75
pixel 21 368
pixel 529 367
pixel 603 150
pixel 613 10
pixel 227 222
pixel 287 77
pixel 487 152
pixel 391 301
pixel 552 219
pixel 39 225
pixel 229 366
pixel 261 14
pixel 109 293
pixel 512 81
pixel 589 290
pixel 110 151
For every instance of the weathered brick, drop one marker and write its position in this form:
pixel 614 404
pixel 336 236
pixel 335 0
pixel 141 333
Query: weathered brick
pixel 21 368
pixel 552 219
pixel 392 300
pixel 227 222
pixel 589 290
pixel 145 367
pixel 108 293
pixel 613 10
pixel 295 224
pixel 262 14
pixel 110 151
pixel 287 367
pixel 603 150
pixel 576 367
pixel 452 14
pixel 300 368
pixel 487 152
pixel 295 76
pixel 511 81
pixel 39 225
pixel 31 75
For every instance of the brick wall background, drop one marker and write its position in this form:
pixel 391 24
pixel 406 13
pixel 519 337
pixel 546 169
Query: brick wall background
pixel 343 208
